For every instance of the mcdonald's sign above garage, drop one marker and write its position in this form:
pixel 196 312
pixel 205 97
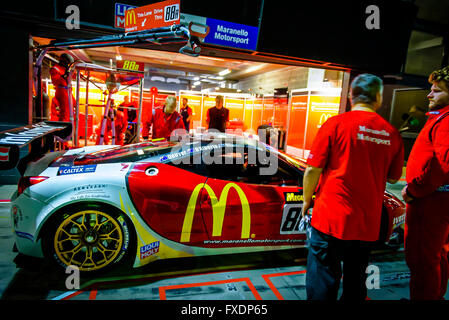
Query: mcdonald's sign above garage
pixel 157 15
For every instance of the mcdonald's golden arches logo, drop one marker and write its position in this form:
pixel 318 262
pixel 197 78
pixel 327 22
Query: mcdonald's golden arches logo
pixel 324 117
pixel 218 210
pixel 130 18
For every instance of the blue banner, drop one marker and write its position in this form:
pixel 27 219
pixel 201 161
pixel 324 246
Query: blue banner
pixel 231 34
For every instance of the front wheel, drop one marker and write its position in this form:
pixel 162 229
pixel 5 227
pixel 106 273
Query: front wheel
pixel 90 237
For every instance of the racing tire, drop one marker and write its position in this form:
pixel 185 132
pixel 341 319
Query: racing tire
pixel 91 237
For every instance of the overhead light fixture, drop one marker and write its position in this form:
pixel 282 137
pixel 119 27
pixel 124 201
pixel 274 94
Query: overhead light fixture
pixel 224 72
pixel 254 68
pixel 197 83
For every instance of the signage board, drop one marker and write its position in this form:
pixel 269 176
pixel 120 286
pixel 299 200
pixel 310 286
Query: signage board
pixel 157 15
pixel 231 34
pixel 224 33
pixel 128 65
pixel 119 17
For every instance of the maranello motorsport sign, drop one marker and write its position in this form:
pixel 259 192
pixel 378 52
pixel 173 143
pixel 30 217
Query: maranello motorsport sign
pixel 231 34
pixel 224 33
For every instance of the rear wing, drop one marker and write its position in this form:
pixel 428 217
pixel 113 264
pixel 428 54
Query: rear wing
pixel 21 145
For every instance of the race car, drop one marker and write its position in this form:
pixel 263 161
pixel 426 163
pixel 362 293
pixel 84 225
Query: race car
pixel 98 206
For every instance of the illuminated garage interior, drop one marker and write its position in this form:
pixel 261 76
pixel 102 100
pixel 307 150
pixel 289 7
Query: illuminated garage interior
pixel 277 84
pixel 277 93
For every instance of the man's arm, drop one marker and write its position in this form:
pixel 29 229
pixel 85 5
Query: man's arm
pixel 310 182
pixel 437 171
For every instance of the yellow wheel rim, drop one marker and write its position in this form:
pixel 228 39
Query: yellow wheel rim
pixel 88 239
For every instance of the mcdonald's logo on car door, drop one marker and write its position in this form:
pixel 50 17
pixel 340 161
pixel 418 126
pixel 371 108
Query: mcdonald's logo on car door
pixel 218 210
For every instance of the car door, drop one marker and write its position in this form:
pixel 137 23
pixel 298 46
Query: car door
pixel 240 207
pixel 165 196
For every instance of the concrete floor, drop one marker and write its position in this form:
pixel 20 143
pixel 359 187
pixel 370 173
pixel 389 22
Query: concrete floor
pixel 262 276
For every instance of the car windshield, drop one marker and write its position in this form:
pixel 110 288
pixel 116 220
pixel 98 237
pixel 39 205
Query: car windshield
pixel 129 153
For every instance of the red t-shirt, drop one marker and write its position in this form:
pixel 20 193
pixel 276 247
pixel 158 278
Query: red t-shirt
pixel 358 150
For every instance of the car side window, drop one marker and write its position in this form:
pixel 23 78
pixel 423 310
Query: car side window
pixel 191 163
pixel 234 166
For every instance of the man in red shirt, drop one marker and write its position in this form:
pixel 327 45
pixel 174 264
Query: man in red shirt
pixel 164 121
pixel 354 154
pixel 427 197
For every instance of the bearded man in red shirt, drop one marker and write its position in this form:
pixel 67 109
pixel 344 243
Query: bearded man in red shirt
pixel 427 197
pixel 352 157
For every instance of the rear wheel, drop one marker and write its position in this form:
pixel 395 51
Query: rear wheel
pixel 89 237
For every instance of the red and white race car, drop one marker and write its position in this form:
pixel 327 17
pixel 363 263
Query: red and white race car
pixel 96 206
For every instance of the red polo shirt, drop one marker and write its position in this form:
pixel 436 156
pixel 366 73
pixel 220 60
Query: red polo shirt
pixel 358 150
pixel 164 125
pixel 428 163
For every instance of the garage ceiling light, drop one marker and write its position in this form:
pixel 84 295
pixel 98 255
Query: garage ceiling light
pixel 254 68
pixel 224 72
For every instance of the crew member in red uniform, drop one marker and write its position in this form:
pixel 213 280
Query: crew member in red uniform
pixel 60 106
pixel 354 154
pixel 427 197
pixel 120 125
pixel 163 121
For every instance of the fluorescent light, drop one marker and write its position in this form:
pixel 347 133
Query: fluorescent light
pixel 254 68
pixel 224 72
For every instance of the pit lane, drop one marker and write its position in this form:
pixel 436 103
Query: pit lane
pixel 257 276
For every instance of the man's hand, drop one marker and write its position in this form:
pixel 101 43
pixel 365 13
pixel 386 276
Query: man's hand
pixel 406 196
pixel 305 208
pixel 310 182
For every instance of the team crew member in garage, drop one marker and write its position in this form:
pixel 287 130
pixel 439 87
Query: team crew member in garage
pixel 218 116
pixel 60 103
pixel 164 121
pixel 120 124
pixel 186 113
pixel 354 154
pixel 427 197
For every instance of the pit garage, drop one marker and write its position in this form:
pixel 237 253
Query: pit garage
pixel 149 219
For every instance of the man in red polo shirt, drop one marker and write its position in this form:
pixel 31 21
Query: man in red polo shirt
pixel 164 121
pixel 427 197
pixel 354 154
